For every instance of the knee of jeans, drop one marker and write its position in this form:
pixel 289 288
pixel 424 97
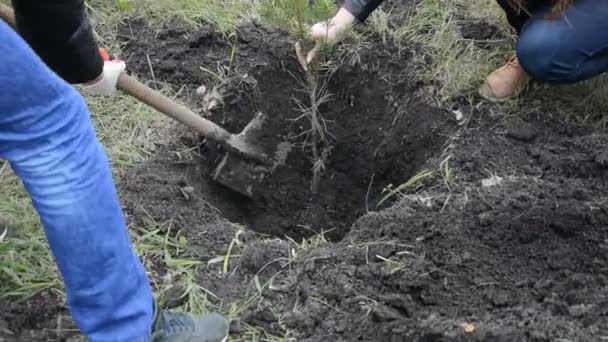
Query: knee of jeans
pixel 61 172
pixel 543 54
pixel 64 179
pixel 533 57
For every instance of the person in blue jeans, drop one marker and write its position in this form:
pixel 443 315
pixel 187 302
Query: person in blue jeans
pixel 47 136
pixel 559 41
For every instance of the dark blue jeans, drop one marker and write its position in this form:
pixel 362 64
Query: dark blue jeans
pixel 566 49
pixel 47 135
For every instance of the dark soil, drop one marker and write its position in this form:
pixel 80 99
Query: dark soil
pixel 41 318
pixel 523 260
pixel 376 135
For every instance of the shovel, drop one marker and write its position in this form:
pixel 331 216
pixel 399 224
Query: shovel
pixel 245 162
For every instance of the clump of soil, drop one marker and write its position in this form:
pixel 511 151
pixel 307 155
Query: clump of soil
pixel 41 318
pixel 376 135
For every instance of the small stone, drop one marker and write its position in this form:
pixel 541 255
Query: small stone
pixel 500 298
pixel 557 262
pixel 563 229
pixel 309 266
pixel 383 313
pixel 485 219
pixel 294 319
pixel 404 303
pixel 428 299
pixel 187 192
pixel 543 284
pixel 601 159
pixel 201 90
pixel 527 235
pixel 4 328
pixel 469 166
pixel 265 315
pixel 579 310
pixel 236 327
pixel 492 181
pixel 340 327
pixel 522 132
pixel 174 296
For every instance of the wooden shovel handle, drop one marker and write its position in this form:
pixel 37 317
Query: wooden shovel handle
pixel 172 109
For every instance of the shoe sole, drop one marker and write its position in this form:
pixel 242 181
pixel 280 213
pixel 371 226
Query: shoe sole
pixel 485 92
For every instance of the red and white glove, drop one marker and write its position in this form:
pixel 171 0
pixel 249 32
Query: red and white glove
pixel 105 84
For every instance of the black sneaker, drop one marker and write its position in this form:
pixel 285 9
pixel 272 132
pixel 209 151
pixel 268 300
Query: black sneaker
pixel 178 327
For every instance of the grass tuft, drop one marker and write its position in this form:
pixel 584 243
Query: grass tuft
pixel 412 184
pixel 223 15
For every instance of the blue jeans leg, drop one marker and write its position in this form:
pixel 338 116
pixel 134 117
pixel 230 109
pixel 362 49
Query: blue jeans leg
pixel 569 48
pixel 47 136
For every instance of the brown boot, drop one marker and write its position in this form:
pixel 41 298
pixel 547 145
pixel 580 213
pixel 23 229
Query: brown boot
pixel 505 83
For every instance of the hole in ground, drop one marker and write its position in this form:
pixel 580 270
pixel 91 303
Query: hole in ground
pixel 378 130
pixel 373 141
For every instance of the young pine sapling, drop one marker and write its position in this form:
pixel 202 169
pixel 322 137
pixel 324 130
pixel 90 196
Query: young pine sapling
pixel 296 16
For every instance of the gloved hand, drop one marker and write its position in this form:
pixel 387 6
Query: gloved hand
pixel 325 32
pixel 105 84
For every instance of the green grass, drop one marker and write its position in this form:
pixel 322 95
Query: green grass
pixel 222 15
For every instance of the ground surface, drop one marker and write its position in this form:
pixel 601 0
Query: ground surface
pixel 519 257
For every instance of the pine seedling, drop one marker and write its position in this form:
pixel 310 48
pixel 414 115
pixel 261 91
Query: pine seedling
pixel 296 16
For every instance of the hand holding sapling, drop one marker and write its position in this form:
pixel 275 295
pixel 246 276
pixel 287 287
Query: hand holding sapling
pixel 328 32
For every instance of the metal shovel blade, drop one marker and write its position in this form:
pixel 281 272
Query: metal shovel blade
pixel 243 175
